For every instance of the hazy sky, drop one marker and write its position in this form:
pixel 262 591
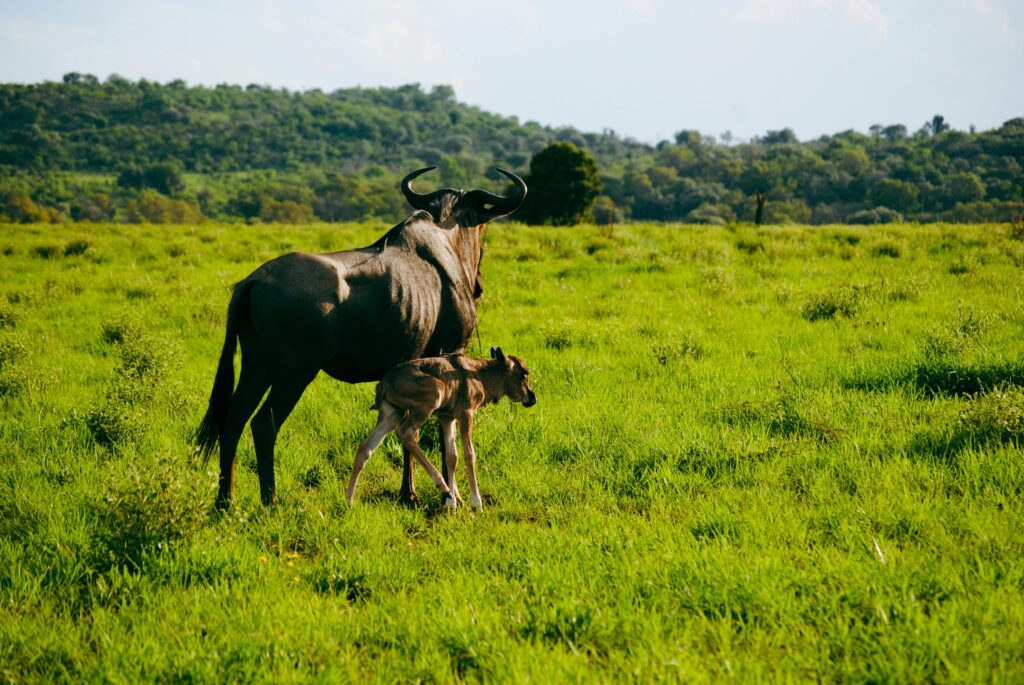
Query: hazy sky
pixel 645 68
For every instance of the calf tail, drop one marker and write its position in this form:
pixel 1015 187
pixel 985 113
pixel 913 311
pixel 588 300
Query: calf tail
pixel 208 434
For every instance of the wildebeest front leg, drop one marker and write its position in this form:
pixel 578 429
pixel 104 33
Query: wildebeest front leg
pixel 466 428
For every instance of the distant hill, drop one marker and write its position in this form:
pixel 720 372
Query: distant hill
pixel 123 150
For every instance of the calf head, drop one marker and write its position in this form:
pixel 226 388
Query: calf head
pixel 517 378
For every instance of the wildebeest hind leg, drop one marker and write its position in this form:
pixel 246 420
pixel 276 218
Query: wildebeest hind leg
pixel 267 424
pixel 251 386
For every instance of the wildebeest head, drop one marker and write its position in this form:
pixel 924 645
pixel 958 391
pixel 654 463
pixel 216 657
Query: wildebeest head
pixel 517 378
pixel 451 207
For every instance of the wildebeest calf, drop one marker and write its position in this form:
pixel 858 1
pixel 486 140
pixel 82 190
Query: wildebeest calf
pixel 453 388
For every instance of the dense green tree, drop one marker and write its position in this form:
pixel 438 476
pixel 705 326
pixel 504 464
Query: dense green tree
pixel 962 187
pixel 563 183
pixel 895 194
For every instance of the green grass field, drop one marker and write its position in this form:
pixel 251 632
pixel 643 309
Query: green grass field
pixel 779 454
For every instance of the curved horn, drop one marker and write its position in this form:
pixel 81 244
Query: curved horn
pixel 415 199
pixel 505 205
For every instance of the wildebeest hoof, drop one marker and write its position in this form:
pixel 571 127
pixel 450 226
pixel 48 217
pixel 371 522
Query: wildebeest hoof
pixel 449 502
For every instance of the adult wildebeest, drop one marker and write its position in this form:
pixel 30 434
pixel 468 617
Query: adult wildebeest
pixel 352 314
pixel 452 388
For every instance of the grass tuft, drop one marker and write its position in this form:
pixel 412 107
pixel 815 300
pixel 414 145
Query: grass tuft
pixel 830 304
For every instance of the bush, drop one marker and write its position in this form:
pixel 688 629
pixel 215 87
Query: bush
pixel 562 337
pixel 76 247
pixel 146 515
pixel 887 248
pixel 957 338
pixel 605 212
pixel 878 215
pixel 154 208
pixel 828 305
pixel 143 362
pixel 995 416
pixel 285 211
pixel 48 250
pixel 7 317
pixel 113 423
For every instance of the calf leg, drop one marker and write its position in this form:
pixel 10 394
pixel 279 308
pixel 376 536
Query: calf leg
pixel 451 456
pixel 466 428
pixel 387 419
pixel 408 492
pixel 408 431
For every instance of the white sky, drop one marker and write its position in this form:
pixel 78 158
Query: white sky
pixel 645 68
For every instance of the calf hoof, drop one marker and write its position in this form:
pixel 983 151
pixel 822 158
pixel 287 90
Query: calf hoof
pixel 222 503
pixel 449 502
pixel 409 499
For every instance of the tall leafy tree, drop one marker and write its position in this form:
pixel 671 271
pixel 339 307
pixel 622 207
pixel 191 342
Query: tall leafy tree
pixel 564 182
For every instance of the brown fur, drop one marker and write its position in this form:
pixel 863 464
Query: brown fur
pixel 352 314
pixel 453 388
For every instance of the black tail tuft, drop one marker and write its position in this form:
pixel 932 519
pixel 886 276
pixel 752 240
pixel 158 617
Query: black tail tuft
pixel 208 435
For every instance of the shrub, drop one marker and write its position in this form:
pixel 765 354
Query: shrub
pixel 48 250
pixel 7 317
pixel 954 339
pixel 788 413
pixel 76 247
pixel 143 361
pixel 565 336
pixel 964 264
pixel 1017 229
pixel 878 215
pixel 151 207
pixel 146 515
pixel 11 350
pixel 995 416
pixel 115 331
pixel 887 248
pixel 686 347
pixel 843 301
pixel 12 379
pixel 113 423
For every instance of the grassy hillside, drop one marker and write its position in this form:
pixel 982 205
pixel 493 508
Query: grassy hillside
pixel 260 154
pixel 788 453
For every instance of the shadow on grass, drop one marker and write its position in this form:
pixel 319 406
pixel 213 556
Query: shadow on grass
pixel 943 377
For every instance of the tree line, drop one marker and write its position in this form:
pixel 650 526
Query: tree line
pixel 119 150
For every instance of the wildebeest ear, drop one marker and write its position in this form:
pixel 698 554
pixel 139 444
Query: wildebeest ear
pixel 496 353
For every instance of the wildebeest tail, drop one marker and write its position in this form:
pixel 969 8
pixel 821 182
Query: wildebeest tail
pixel 208 435
pixel 378 396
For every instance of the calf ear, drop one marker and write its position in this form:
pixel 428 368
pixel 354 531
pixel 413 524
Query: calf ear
pixel 496 353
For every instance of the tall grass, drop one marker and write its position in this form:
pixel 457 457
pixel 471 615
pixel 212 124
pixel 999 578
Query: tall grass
pixel 786 453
